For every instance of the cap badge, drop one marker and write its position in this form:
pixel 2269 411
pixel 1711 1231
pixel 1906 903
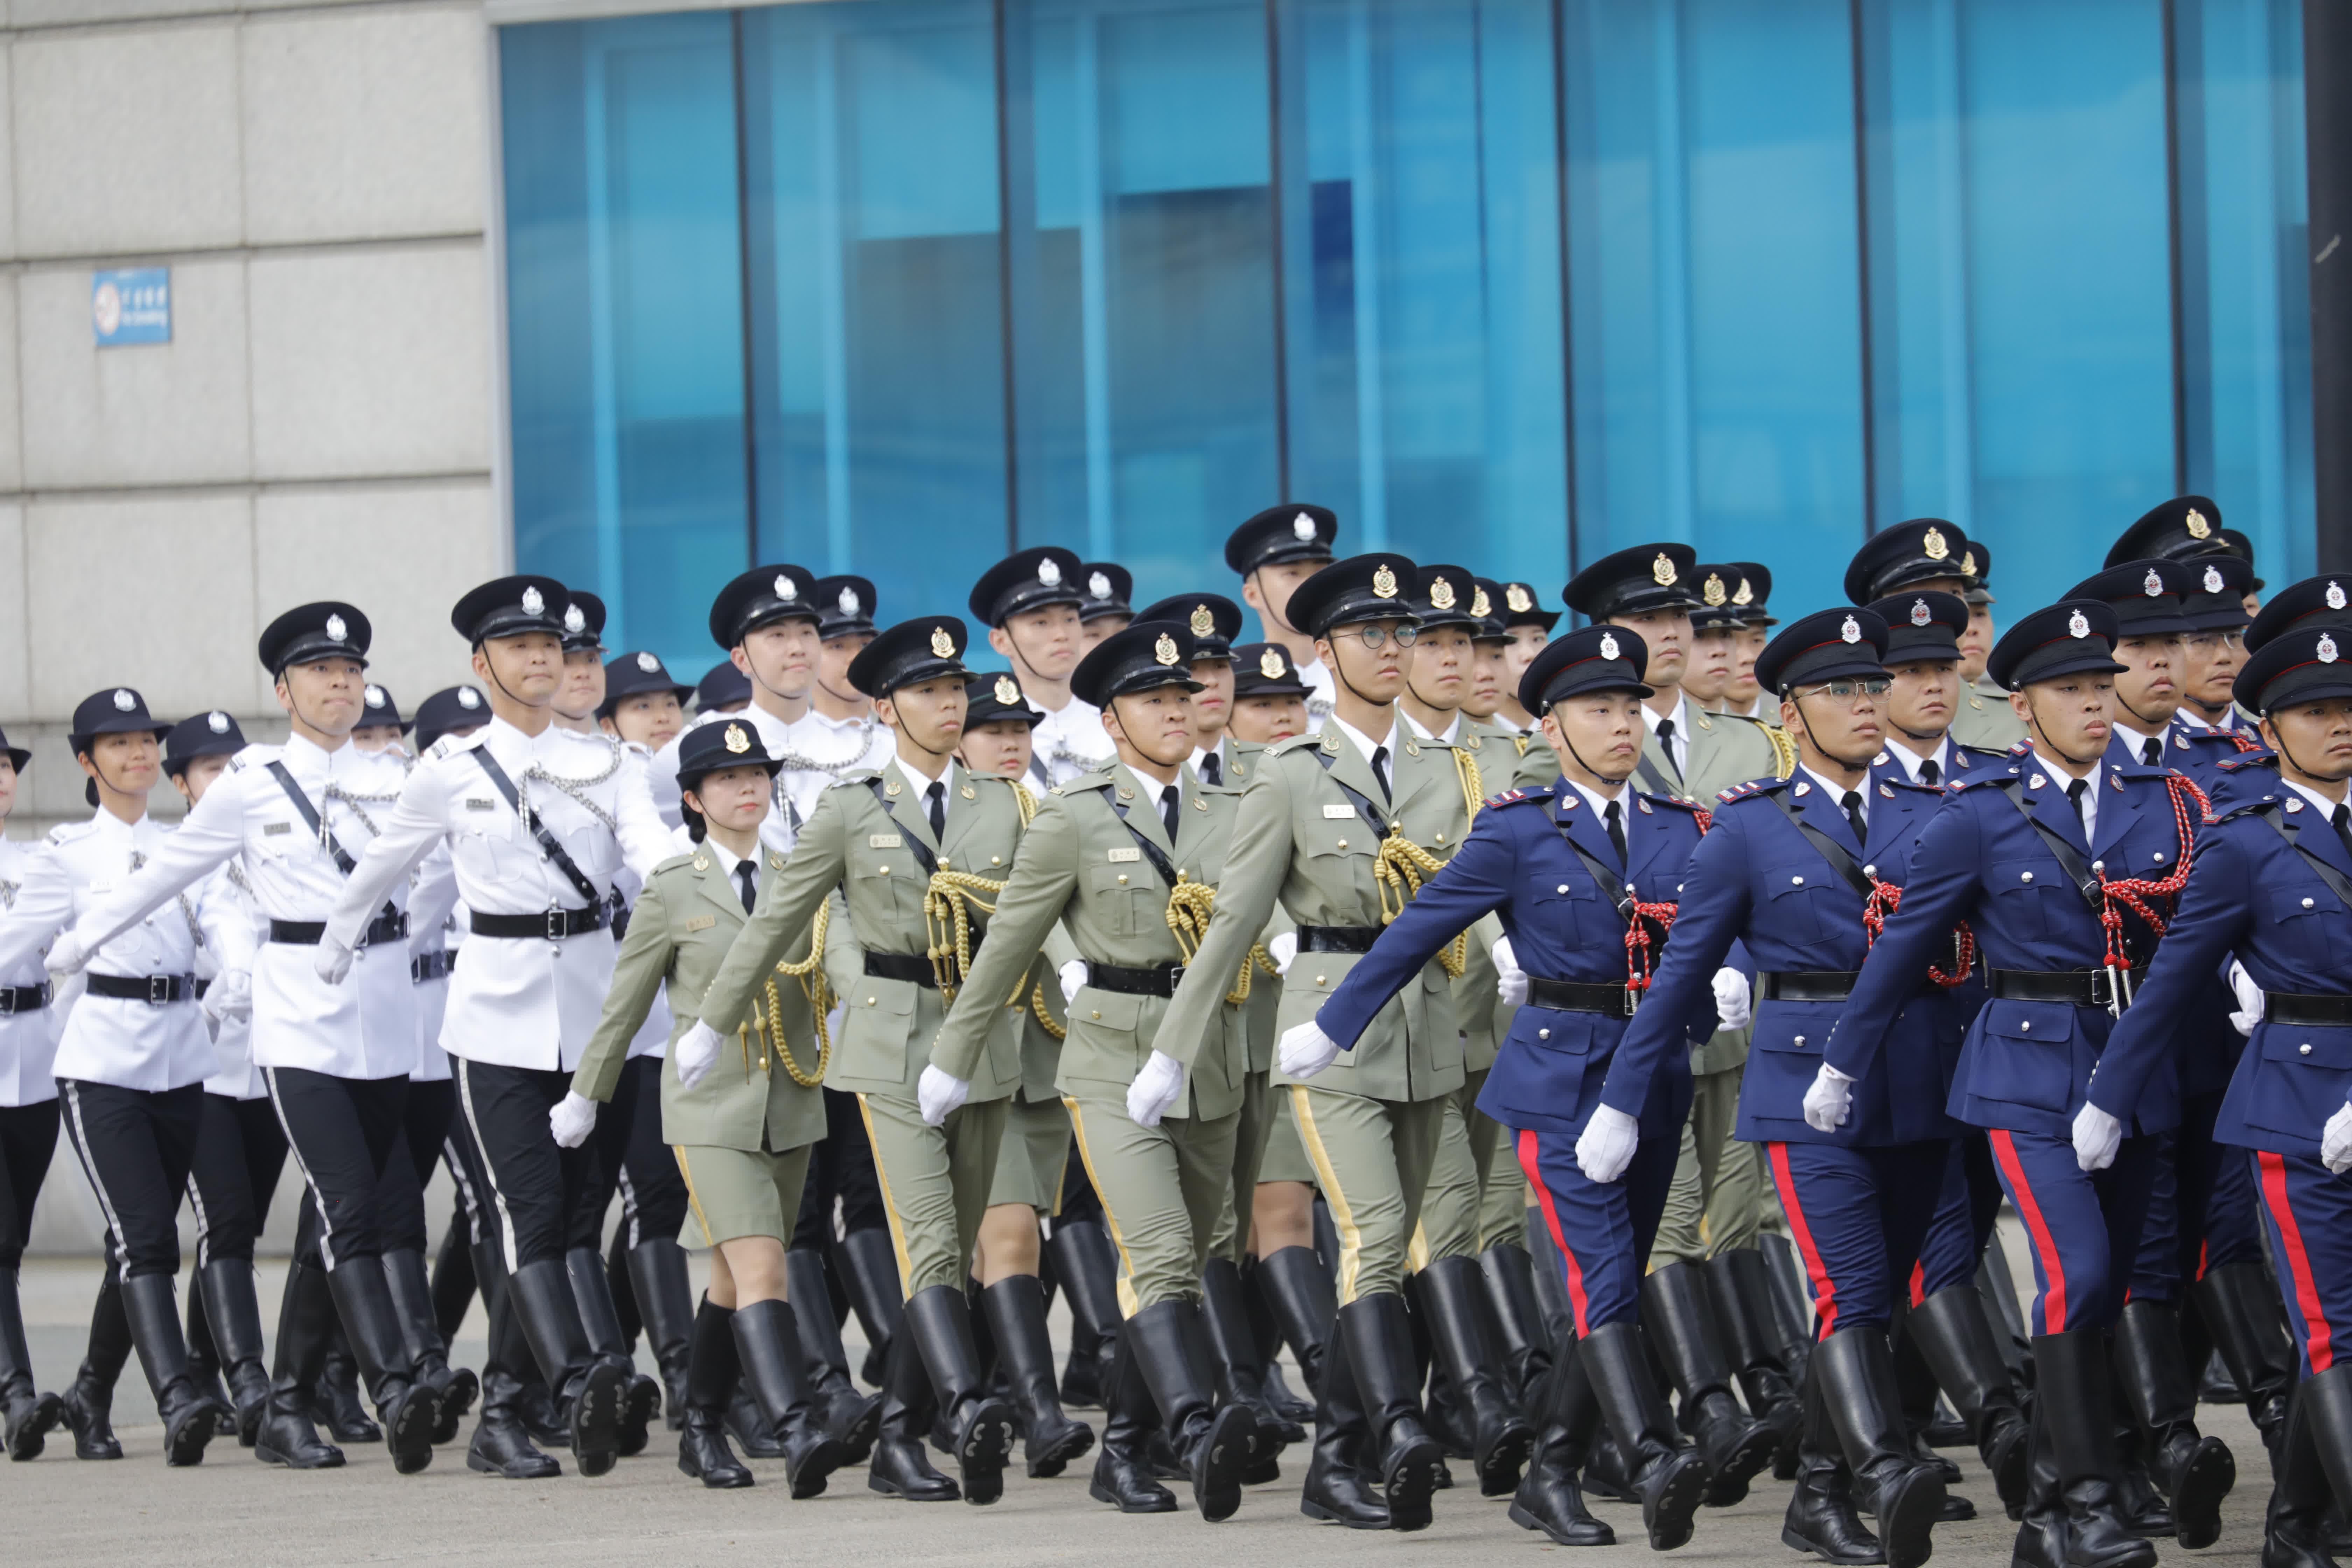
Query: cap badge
pixel 2153 583
pixel 1851 631
pixel 2327 651
pixel 1165 650
pixel 534 601
pixel 575 619
pixel 1663 569
pixel 2196 525
pixel 1302 528
pixel 1385 583
pixel 1098 585
pixel 786 589
pixel 649 664
pixel 1747 593
pixel 469 697
pixel 943 645
pixel 336 630
pixel 849 602
pixel 2078 624
pixel 1440 594
pixel 1269 663
pixel 1609 644
pixel 1519 599
pixel 1968 563
pixel 123 700
pixel 737 741
pixel 2335 596
pixel 1934 543
pixel 1920 614
pixel 1712 590
pixel 1049 571
pixel 1203 623
pixel 374 695
pixel 2212 579
pixel 216 722
pixel 1481 605
pixel 1008 691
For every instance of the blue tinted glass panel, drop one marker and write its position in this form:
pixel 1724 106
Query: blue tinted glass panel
pixel 624 310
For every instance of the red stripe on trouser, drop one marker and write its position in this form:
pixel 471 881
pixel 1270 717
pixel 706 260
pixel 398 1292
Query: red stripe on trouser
pixel 2046 1246
pixel 2319 1342
pixel 2204 1250
pixel 1529 1163
pixel 1918 1284
pixel 1824 1288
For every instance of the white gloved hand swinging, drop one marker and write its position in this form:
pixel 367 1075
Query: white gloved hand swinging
pixel 1283 951
pixel 1606 1146
pixel 1734 1005
pixel 335 960
pixel 571 1118
pixel 1510 980
pixel 2097 1136
pixel 2250 999
pixel 1830 1101
pixel 230 996
pixel 66 955
pixel 1073 976
pixel 1156 1088
pixel 695 1053
pixel 938 1093
pixel 2335 1140
pixel 1306 1050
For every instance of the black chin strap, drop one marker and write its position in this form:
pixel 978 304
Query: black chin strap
pixel 491 669
pixel 2033 723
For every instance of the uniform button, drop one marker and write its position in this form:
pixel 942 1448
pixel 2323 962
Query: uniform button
pixel 869 1001
pixel 2098 865
pixel 1098 1013
pixel 1441 838
pixel 1563 887
pixel 1343 844
pixel 2025 876
pixel 2158 857
pixel 2306 903
pixel 1798 1041
pixel 1318 980
pixel 886 870
pixel 1543 1034
pixel 1796 881
pixel 2026 1026
pixel 2304 1049
pixel 996 859
pixel 1122 879
pixel 1870 870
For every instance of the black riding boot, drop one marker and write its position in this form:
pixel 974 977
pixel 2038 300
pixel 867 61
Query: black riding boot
pixel 1234 1353
pixel 286 1433
pixel 1398 1449
pixel 1821 1517
pixel 1744 1310
pixel 1170 1348
pixel 1550 1499
pixel 1086 1266
pixel 1854 1369
pixel 768 1345
pixel 204 1358
pixel 1015 1308
pixel 30 1413
pixel 2195 1471
pixel 1677 1312
pixel 502 1445
pixel 335 1402
pixel 588 1388
pixel 2294 1526
pixel 1956 1337
pixel 657 1279
pixel 408 1408
pixel 1522 1334
pixel 978 1426
pixel 1669 1479
pixel 1266 1331
pixel 2240 1306
pixel 1305 1302
pixel 899 1466
pixel 1549 1278
pixel 600 1317
pixel 232 1320
pixel 89 1401
pixel 454 1277
pixel 847 1415
pixel 869 1275
pixel 1122 1475
pixel 191 1416
pixel 711 1370
pixel 2072 1512
pixel 420 1331
pixel 1337 1490
pixel 1455 1304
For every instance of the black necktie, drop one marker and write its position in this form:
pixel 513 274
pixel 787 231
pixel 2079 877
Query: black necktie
pixel 1614 818
pixel 937 795
pixel 1929 774
pixel 2342 819
pixel 2151 750
pixel 1380 771
pixel 1852 804
pixel 744 872
pixel 2074 793
pixel 1168 809
pixel 1666 744
pixel 1211 773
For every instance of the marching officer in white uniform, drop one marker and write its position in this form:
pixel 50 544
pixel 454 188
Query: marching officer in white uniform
pixel 29 1130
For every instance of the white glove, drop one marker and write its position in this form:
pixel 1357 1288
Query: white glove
pixel 230 996
pixel 335 960
pixel 2097 1136
pixel 1074 978
pixel 1735 1008
pixel 1606 1146
pixel 695 1053
pixel 66 954
pixel 1510 980
pixel 1283 951
pixel 937 1092
pixel 1155 1089
pixel 2335 1140
pixel 1305 1049
pixel 571 1118
pixel 2250 999
pixel 1830 1101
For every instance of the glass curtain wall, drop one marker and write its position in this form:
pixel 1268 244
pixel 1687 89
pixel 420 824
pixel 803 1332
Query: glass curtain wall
pixel 895 286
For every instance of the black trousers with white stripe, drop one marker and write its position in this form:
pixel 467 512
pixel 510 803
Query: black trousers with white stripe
pixel 344 1132
pixel 541 1195
pixel 240 1154
pixel 400 1199
pixel 136 1146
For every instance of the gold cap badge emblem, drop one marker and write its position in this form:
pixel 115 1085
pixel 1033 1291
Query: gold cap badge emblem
pixel 1663 569
pixel 1269 663
pixel 2197 525
pixel 1203 624
pixel 943 645
pixel 1712 590
pixel 1385 583
pixel 1165 650
pixel 1007 692
pixel 737 741
pixel 1440 594
pixel 1518 599
pixel 1481 605
pixel 1747 594
pixel 1968 561
pixel 1937 546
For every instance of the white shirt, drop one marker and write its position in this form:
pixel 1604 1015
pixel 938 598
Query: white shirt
pixel 2137 740
pixel 1941 756
pixel 2326 806
pixel 820 753
pixel 921 783
pixel 34 890
pixel 1069 743
pixel 1452 733
pixel 1366 745
pixel 107 1039
pixel 522 1002
pixel 364 1028
pixel 1678 745
pixel 1837 792
pixel 1322 690
pixel 2060 778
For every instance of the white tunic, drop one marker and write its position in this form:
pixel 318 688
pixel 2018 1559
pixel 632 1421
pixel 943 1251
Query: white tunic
pixel 34 890
pixel 1321 689
pixel 235 1073
pixel 131 1044
pixel 1070 741
pixel 522 1001
pixel 364 1028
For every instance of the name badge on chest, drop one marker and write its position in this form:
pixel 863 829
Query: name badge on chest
pixel 273 829
pixel 1337 813
pixel 884 841
pixel 1122 856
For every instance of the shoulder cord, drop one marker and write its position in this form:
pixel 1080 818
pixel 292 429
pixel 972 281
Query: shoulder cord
pixel 1784 752
pixel 1190 905
pixel 1884 898
pixel 577 788
pixel 1642 954
pixel 2138 894
pixel 188 911
pixel 810 973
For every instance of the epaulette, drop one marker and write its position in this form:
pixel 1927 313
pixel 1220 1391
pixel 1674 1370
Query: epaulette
pixel 1892 784
pixel 682 859
pixel 857 780
pixel 1297 743
pixel 1989 754
pixel 66 832
pixel 2021 749
pixel 1098 779
pixel 1513 797
pixel 2246 808
pixel 1678 802
pixel 1995 779
pixel 2241 761
pixel 1743 790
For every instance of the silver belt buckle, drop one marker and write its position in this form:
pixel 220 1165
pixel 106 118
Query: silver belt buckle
pixel 159 989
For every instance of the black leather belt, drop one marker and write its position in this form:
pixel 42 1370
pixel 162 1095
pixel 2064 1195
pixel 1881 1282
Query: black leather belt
pixel 910 967
pixel 548 925
pixel 23 998
pixel 1807 986
pixel 2081 987
pixel 1158 981
pixel 1338 939
pixel 390 926
pixel 2318 1011
pixel 427 966
pixel 157 989
pixel 1580 996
